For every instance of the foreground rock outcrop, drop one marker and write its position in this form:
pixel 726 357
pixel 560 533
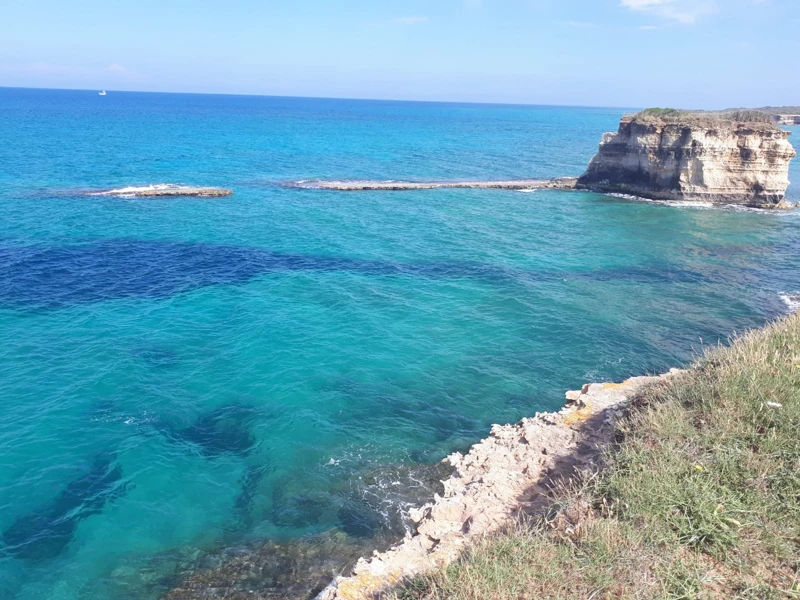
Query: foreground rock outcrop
pixel 694 157
pixel 506 474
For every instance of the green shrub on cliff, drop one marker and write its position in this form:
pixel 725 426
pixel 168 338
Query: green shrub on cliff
pixel 749 116
pixel 700 499
pixel 667 114
pixel 707 118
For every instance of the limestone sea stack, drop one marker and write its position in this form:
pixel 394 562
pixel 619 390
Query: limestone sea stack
pixel 725 158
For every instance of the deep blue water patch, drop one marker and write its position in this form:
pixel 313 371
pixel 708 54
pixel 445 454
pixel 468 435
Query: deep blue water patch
pixel 53 277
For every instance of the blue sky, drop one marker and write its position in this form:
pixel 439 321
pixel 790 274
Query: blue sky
pixel 683 53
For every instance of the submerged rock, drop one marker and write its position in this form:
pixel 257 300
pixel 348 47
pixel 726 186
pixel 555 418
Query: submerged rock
pixel 371 508
pixel 277 570
pixel 707 158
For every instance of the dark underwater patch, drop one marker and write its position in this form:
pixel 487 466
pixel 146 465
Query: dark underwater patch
pixel 53 277
pixel 157 357
pixel 223 430
pixel 46 533
pixel 249 485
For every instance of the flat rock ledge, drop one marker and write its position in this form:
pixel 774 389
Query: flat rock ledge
pixel 173 191
pixel 501 476
pixel 560 183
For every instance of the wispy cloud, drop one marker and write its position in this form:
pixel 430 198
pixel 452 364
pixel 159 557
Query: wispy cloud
pixel 685 12
pixel 411 20
pixel 115 68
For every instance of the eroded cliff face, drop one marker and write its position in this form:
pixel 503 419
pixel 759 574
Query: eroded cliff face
pixel 724 162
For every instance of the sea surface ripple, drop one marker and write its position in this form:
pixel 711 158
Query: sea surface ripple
pixel 184 378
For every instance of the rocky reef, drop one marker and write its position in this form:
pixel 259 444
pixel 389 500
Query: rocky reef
pixel 559 183
pixel 671 155
pixel 507 474
pixel 165 190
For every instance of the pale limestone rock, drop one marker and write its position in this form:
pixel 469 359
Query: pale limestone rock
pixel 723 162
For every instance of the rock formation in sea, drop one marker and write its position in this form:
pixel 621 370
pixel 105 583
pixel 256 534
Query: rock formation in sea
pixel 673 155
pixel 166 191
pixel 559 183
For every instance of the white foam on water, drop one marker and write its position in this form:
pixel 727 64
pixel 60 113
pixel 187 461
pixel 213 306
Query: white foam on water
pixel 791 300
pixel 133 191
pixel 700 204
pixel 527 191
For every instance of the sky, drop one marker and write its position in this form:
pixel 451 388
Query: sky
pixel 623 53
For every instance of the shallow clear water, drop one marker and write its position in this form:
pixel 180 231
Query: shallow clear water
pixel 181 373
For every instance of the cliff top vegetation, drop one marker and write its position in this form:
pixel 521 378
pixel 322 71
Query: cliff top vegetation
pixel 700 498
pixel 727 118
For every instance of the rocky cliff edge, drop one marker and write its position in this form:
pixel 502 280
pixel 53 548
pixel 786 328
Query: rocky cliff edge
pixel 697 158
pixel 502 476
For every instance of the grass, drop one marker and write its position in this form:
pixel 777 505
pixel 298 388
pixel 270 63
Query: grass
pixel 699 499
pixel 754 118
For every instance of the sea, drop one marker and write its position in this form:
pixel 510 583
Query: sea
pixel 272 377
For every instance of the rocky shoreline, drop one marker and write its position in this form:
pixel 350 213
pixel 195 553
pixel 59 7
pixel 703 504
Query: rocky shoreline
pixel 505 475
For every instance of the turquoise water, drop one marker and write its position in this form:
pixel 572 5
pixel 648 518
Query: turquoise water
pixel 189 373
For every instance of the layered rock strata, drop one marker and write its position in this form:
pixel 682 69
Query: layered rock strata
pixel 693 159
pixel 561 183
pixel 503 475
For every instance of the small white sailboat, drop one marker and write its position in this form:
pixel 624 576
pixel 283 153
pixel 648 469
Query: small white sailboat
pixel 103 93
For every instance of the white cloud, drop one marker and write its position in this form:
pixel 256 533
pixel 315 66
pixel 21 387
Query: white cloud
pixel 679 11
pixel 411 20
pixel 115 68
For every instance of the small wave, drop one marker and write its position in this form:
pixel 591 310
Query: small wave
pixel 697 204
pixel 791 300
pixel 527 191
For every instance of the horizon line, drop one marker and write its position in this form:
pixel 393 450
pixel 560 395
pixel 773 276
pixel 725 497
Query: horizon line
pixel 487 103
